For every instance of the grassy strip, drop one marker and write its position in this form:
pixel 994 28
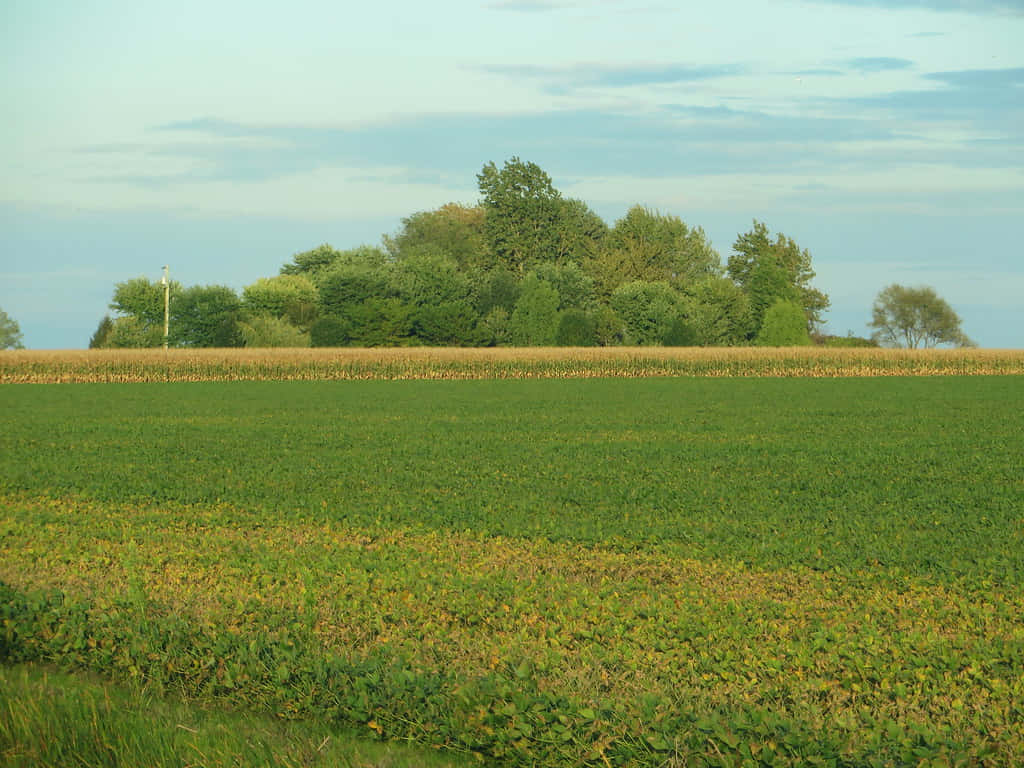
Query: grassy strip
pixel 23 366
pixel 54 719
pixel 525 651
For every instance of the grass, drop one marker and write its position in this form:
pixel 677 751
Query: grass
pixel 55 719
pixel 667 571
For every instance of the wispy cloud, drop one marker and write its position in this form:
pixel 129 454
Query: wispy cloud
pixel 673 140
pixel 985 79
pixel 991 99
pixel 563 79
pixel 819 72
pixel 1011 7
pixel 878 64
pixel 526 6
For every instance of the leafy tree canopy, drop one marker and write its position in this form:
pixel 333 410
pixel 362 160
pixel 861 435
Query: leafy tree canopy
pixel 206 316
pixel 915 317
pixel 523 214
pixel 430 278
pixel 648 310
pixel 99 337
pixel 720 312
pixel 755 254
pixel 143 300
pixel 576 328
pixel 655 247
pixel 456 230
pixel 312 261
pixel 293 297
pixel 784 325
pixel 575 287
pixel 534 321
pixel 581 232
pixel 10 332
pixel 268 331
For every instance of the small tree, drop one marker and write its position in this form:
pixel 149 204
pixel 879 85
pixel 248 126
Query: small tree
pixel 494 328
pixel 129 332
pixel 290 297
pixel 330 332
pixel 680 334
pixel 267 331
pixel 10 332
pixel 206 316
pixel 785 325
pixel 576 328
pixel 140 306
pixel 102 333
pixel 648 310
pixel 534 321
pixel 522 214
pixel 915 317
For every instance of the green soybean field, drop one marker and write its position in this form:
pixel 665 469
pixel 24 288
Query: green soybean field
pixel 555 572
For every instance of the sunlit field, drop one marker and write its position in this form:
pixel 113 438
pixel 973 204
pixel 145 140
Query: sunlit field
pixel 660 571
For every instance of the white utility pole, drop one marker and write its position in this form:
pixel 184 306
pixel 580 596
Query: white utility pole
pixel 167 305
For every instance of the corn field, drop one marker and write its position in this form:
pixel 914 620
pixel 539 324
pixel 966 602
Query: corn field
pixel 179 365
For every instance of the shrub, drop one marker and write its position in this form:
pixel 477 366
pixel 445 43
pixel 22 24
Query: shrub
pixel 785 325
pixel 576 328
pixel 330 332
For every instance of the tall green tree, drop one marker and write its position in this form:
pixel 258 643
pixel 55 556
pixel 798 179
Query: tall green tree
pixel 654 247
pixel 915 317
pixel 429 277
pixel 381 323
pixel 312 261
pixel 497 288
pixel 292 297
pixel 576 328
pixel 206 316
pixel 758 262
pixel 140 305
pixel 346 285
pixel 767 284
pixel 648 311
pixel 316 263
pixel 10 332
pixel 720 312
pixel 523 214
pixel 581 232
pixel 575 287
pixel 143 299
pixel 456 230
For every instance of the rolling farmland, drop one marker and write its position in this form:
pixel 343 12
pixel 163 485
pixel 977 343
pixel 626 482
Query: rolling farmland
pixel 715 570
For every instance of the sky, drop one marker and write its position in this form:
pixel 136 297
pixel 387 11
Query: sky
pixel 884 136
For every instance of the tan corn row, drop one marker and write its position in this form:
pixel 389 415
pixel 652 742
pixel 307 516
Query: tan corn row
pixel 27 366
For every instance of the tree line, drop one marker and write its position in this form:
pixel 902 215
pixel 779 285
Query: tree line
pixel 523 267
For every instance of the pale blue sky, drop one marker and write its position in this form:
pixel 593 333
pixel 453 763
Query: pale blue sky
pixel 886 136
